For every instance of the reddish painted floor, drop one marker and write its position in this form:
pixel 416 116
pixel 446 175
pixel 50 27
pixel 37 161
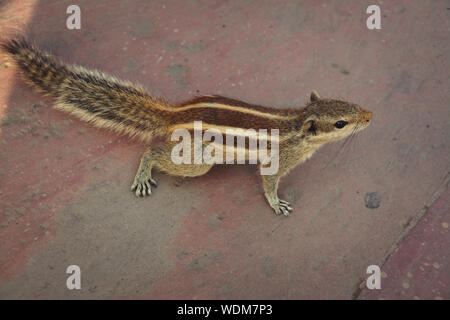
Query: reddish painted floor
pixel 64 186
pixel 419 268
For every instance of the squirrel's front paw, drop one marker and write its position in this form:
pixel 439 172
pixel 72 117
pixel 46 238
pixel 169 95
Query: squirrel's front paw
pixel 282 207
pixel 143 188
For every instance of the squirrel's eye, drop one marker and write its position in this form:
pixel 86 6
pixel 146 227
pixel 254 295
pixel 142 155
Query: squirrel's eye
pixel 340 124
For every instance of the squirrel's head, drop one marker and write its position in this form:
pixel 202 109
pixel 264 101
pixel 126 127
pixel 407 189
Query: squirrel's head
pixel 330 120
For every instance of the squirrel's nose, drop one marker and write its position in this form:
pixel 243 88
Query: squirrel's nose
pixel 368 116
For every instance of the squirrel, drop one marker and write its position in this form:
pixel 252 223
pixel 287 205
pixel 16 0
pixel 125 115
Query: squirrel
pixel 127 108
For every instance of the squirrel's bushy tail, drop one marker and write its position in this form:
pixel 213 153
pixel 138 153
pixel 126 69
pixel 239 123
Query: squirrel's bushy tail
pixel 42 71
pixel 88 94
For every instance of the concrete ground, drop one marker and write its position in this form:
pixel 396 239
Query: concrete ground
pixel 382 200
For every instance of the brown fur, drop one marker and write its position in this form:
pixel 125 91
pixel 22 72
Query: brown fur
pixel 127 108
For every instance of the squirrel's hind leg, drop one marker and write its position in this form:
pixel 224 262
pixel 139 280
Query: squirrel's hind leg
pixel 143 181
pixel 160 158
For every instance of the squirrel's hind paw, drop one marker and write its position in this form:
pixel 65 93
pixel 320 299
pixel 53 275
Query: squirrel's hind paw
pixel 143 188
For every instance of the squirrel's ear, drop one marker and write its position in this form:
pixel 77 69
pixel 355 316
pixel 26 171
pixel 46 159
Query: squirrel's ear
pixel 314 96
pixel 310 126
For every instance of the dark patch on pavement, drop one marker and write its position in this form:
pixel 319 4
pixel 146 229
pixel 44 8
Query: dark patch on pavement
pixel 372 200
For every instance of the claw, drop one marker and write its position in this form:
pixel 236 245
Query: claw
pixel 143 189
pixel 153 182
pixel 286 206
pixel 148 188
pixel 285 211
pixel 138 190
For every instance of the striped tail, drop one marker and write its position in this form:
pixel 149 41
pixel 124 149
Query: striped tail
pixel 90 95
pixel 42 71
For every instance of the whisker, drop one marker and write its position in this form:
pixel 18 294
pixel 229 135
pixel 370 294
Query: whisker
pixel 353 136
pixel 345 144
pixel 337 153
